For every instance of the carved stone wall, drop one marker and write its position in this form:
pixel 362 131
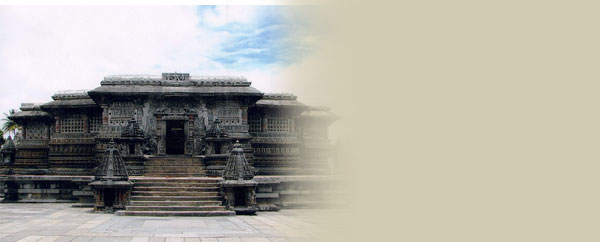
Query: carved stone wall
pixel 71 150
pixel 119 113
pixel 37 130
pixel 190 110
pixel 232 116
pixel 72 154
pixel 32 148
pixel 275 143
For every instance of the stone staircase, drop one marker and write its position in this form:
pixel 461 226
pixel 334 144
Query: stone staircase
pixel 181 196
pixel 175 186
pixel 174 166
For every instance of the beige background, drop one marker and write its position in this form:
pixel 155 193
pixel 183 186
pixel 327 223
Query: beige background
pixel 467 121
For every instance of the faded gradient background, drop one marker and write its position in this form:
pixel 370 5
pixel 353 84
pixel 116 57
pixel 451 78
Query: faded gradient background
pixel 469 120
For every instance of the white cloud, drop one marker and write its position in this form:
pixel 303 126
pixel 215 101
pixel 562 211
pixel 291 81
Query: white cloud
pixel 46 49
pixel 222 15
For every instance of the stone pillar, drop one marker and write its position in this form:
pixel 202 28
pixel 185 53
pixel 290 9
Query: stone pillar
pixel 99 205
pixel 161 132
pixel 104 114
pixel 244 115
pixel 263 124
pixel 57 124
pixel 24 131
pixel 189 140
pixel 86 123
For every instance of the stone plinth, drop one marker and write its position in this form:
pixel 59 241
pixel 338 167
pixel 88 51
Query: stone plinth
pixel 238 186
pixel 240 195
pixel 111 185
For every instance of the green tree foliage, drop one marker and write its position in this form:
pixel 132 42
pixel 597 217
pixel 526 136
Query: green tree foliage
pixel 9 126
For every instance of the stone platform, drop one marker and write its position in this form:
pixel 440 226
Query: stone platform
pixel 155 194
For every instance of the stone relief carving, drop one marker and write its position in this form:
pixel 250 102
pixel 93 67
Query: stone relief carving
pixel 149 146
pixel 120 113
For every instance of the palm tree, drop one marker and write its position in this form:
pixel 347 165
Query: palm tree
pixel 9 125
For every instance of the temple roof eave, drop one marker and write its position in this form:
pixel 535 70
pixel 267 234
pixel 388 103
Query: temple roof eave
pixel 318 113
pixel 70 103
pixel 280 100
pixel 287 103
pixel 189 90
pixel 35 114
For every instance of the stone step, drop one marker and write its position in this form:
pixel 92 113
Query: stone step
pixel 177 189
pixel 173 163
pixel 175 213
pixel 173 172
pixel 178 170
pixel 175 198
pixel 175 208
pixel 146 173
pixel 173 159
pixel 175 184
pixel 175 203
pixel 172 166
pixel 175 193
pixel 174 175
pixel 162 179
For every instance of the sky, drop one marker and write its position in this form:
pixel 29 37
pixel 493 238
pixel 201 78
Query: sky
pixel 47 49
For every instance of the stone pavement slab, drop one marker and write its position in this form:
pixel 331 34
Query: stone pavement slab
pixel 53 222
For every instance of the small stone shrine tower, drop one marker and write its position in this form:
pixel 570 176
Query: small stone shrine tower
pixel 111 184
pixel 8 151
pixel 239 187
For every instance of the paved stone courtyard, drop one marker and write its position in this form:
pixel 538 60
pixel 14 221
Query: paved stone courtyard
pixel 53 222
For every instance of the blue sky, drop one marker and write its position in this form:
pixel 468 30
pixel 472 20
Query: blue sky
pixel 272 36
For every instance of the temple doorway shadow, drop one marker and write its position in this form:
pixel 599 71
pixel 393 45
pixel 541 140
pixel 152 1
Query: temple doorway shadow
pixel 175 137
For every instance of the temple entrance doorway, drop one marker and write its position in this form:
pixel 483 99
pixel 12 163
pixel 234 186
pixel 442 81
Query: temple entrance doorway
pixel 175 137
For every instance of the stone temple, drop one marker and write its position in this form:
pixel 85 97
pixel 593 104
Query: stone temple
pixel 174 133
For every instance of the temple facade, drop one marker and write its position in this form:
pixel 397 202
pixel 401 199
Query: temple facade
pixel 173 115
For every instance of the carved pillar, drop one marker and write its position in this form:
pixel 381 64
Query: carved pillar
pixel 86 123
pixel 189 142
pixel 57 124
pixel 99 201
pixel 104 114
pixel 161 132
pixel 244 115
pixel 139 107
pixel 263 124
pixel 24 131
pixel 210 115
